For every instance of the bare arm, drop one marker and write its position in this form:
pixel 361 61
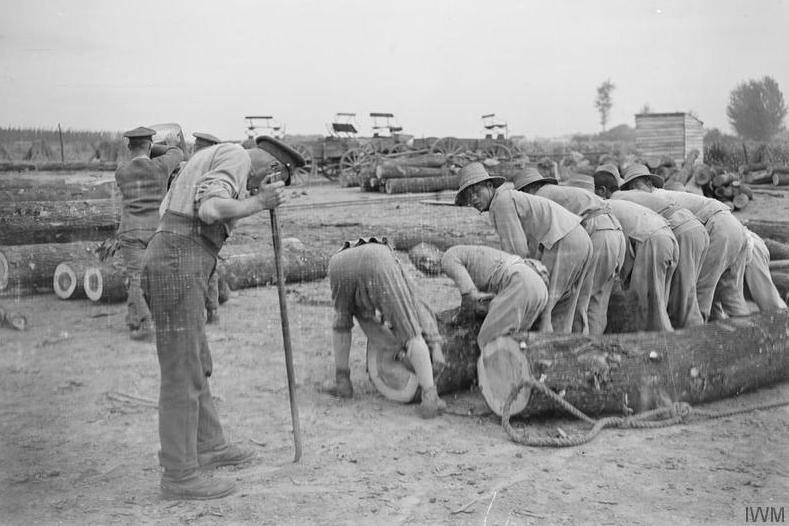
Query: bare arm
pixel 216 209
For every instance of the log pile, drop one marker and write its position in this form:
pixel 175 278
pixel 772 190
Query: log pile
pixel 410 174
pixel 732 188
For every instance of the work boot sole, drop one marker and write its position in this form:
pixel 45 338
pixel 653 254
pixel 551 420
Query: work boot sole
pixel 238 461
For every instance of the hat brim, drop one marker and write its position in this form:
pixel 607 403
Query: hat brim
pixel 461 200
pixel 281 151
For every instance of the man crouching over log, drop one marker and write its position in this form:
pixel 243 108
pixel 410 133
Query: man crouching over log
pixel 368 283
pixel 512 290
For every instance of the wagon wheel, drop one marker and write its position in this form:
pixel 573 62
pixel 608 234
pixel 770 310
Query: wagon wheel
pixel 352 162
pixel 449 146
pixel 497 151
pixel 302 174
pixel 371 148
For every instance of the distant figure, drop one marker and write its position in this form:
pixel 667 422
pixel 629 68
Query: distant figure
pixel 142 182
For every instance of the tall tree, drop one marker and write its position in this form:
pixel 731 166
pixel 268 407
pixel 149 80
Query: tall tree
pixel 756 109
pixel 603 102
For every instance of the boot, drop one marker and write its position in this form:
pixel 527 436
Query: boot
pixel 431 405
pixel 143 333
pixel 212 316
pixel 227 455
pixel 193 486
pixel 342 384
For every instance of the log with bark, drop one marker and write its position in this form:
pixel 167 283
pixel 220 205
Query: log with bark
pixel 424 161
pixel 33 222
pixel 26 269
pixel 781 282
pixel 105 282
pixel 54 166
pixel 759 177
pixel 12 320
pixel 779 265
pixel 780 179
pixel 245 267
pixel 69 192
pixel 775 230
pixel 401 171
pixel 740 201
pixel 421 184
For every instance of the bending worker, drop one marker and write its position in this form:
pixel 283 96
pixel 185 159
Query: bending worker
pixel 534 227
pixel 368 284
pixel 217 186
pixel 516 289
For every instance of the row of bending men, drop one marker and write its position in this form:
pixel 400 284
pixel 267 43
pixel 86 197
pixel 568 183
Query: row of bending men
pixel 686 258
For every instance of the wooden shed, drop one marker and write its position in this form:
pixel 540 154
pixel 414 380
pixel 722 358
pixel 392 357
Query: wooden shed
pixel 668 134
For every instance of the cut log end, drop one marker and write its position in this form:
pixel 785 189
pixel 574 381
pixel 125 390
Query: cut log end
pixel 501 367
pixel 104 283
pixel 740 201
pixel 64 281
pixel 4 270
pixel 390 376
pixel 93 284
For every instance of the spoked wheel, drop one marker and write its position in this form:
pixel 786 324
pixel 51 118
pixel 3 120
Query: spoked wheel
pixel 449 146
pixel 302 174
pixel 352 162
pixel 497 151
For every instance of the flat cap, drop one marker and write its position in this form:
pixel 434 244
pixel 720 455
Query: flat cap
pixel 207 137
pixel 139 133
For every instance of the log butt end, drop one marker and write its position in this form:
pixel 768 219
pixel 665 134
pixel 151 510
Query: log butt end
pixel 501 367
pixel 93 284
pixel 390 376
pixel 4 270
pixel 64 281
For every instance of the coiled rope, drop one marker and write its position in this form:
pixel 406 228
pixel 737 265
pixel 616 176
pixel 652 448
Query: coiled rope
pixel 677 413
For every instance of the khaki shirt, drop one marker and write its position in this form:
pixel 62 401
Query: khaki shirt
pixel 525 223
pixel 474 267
pixel 670 210
pixel 702 207
pixel 217 171
pixel 638 222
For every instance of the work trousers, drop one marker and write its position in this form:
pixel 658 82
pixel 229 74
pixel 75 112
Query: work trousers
pixel 608 255
pixel 683 303
pixel 758 279
pixel 721 276
pixel 175 279
pixel 519 301
pixel 652 263
pixel 567 262
pixel 132 248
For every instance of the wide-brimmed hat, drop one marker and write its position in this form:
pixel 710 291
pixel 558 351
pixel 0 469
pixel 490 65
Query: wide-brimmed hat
pixel 637 171
pixel 607 172
pixel 530 175
pixel 471 174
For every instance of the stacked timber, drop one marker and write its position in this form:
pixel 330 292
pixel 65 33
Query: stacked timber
pixel 27 222
pixel 411 174
pixel 57 166
pixel 728 187
pixel 28 269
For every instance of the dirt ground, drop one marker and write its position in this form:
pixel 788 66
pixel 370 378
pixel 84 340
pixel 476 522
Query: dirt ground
pixel 79 425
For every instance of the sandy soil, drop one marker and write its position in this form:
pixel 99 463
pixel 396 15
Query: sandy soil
pixel 79 435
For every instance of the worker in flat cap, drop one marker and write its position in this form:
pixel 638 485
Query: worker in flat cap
pixel 534 227
pixel 142 182
pixel 217 186
pixel 608 244
pixel 692 238
pixel 652 253
pixel 205 140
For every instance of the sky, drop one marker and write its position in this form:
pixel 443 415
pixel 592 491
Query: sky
pixel 438 65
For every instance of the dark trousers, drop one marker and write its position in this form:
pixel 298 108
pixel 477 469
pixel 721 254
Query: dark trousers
pixel 175 277
pixel 132 249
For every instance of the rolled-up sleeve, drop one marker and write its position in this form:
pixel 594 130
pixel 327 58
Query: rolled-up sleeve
pixel 228 176
pixel 455 268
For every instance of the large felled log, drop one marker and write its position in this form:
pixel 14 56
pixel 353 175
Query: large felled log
pixel 401 171
pixel 57 221
pixel 53 166
pixel 27 269
pixel 781 282
pixel 421 184
pixel 759 177
pixel 69 192
pixel 105 282
pixel 776 230
pixel 780 179
pixel 247 268
pixel 425 161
